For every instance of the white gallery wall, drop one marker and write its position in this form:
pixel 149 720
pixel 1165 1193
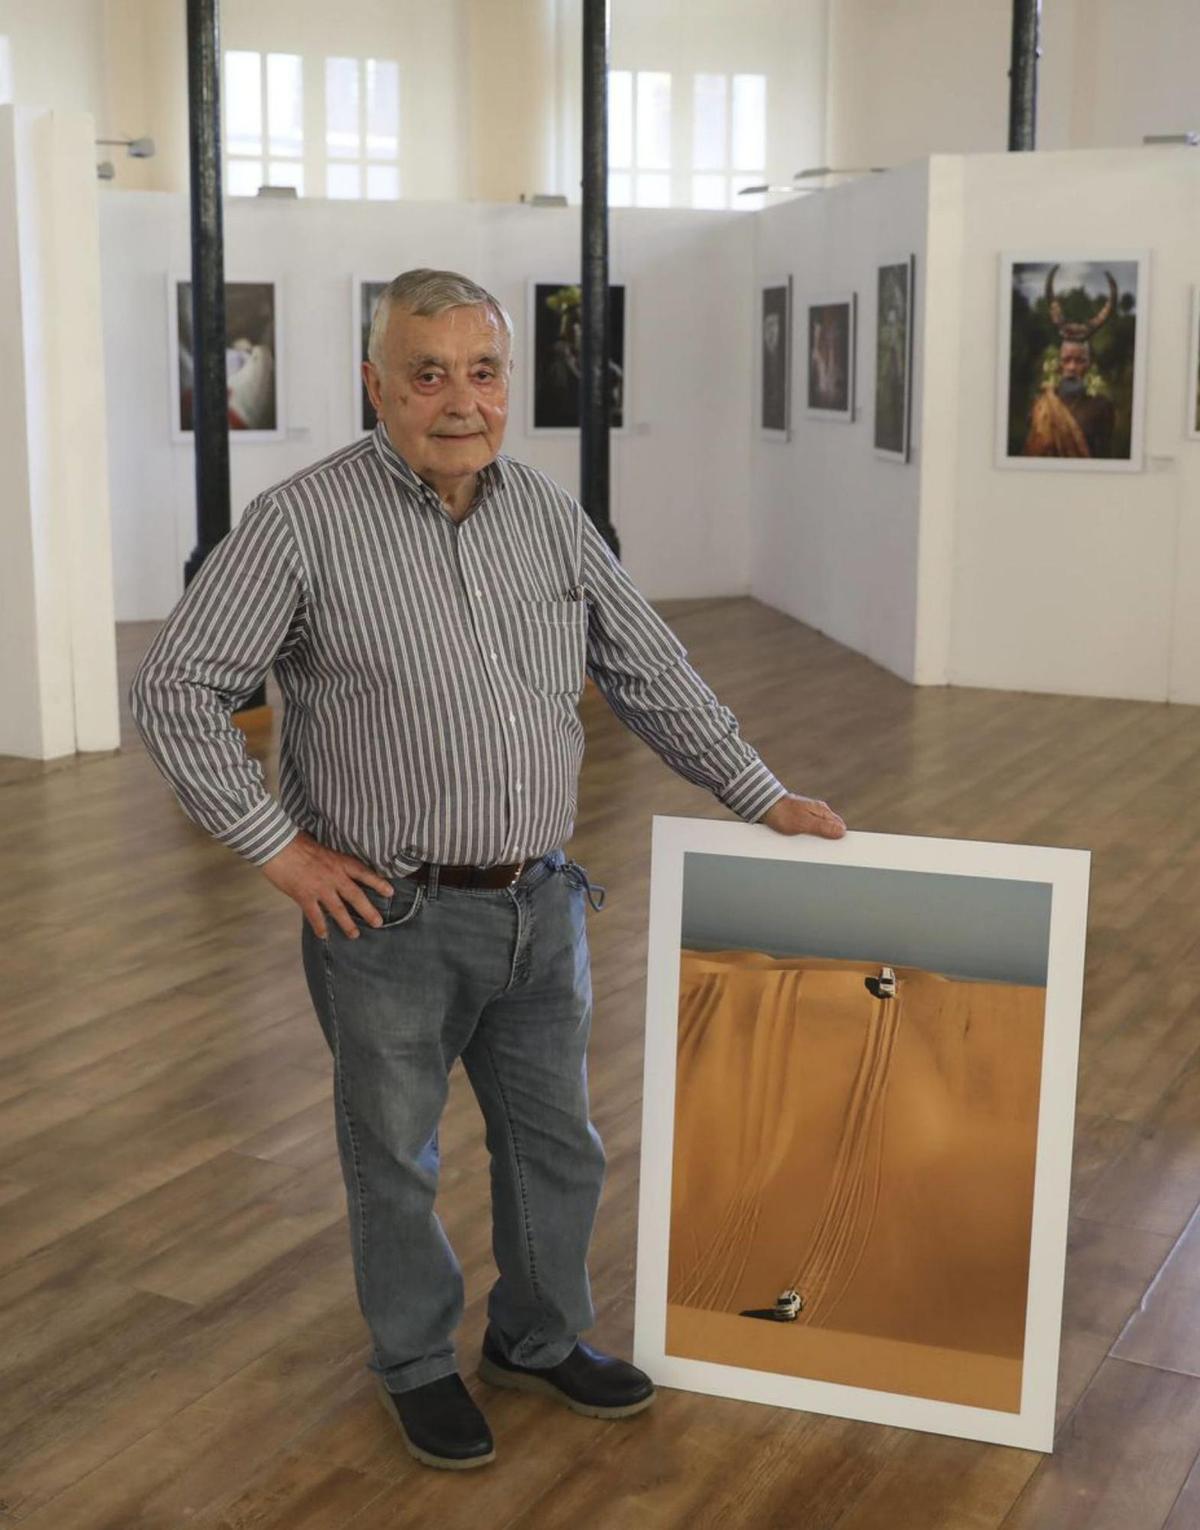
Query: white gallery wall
pixel 58 680
pixel 1083 582
pixel 952 569
pixel 680 468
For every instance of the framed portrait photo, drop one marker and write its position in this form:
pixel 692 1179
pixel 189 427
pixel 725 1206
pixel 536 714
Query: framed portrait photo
pixel 860 1077
pixel 832 330
pixel 1192 424
pixel 775 359
pixel 364 296
pixel 253 359
pixel 895 288
pixel 1070 386
pixel 554 327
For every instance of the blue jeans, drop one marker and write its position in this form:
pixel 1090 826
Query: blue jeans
pixel 501 979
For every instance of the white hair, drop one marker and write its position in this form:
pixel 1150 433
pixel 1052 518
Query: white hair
pixel 428 293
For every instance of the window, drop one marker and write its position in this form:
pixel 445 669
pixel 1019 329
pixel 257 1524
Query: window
pixel 362 128
pixel 264 122
pixel 639 138
pixel 729 138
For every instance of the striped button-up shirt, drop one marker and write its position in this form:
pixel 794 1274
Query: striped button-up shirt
pixel 430 670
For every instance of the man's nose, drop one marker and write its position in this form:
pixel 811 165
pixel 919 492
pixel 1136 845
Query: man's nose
pixel 461 397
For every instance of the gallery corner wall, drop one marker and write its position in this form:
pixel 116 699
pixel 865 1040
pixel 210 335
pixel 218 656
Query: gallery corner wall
pixel 58 685
pixel 952 569
pixel 835 526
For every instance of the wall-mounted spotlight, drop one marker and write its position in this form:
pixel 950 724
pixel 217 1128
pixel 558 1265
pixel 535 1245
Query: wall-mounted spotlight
pixel 137 148
pixel 1189 140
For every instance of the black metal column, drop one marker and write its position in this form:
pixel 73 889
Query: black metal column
pixel 1022 75
pixel 595 387
pixel 210 410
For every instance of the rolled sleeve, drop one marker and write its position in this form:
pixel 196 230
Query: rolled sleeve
pixel 244 606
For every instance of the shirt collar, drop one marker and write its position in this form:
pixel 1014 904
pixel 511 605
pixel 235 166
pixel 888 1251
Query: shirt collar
pixel 488 478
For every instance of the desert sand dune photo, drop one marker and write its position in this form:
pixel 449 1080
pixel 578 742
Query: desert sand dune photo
pixel 875 1155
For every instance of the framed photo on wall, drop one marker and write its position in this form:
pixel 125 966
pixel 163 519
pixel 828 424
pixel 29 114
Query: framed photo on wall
pixel 1193 389
pixel 858 1114
pixel 364 296
pixel 894 291
pixel 775 359
pixel 253 359
pixel 554 325
pixel 832 331
pixel 1070 387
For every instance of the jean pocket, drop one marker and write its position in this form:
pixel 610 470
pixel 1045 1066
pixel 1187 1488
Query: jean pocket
pixel 403 904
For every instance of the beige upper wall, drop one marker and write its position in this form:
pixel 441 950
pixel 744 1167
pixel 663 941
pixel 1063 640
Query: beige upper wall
pixel 491 88
pixel 909 78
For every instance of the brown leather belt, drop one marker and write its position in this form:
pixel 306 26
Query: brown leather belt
pixel 506 875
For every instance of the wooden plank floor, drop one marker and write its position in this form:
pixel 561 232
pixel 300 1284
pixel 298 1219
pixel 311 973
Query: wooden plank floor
pixel 179 1340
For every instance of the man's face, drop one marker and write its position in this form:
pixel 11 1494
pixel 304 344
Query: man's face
pixel 1075 357
pixel 442 389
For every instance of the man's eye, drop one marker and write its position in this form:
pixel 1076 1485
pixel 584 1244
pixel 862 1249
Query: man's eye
pixel 428 377
pixel 484 375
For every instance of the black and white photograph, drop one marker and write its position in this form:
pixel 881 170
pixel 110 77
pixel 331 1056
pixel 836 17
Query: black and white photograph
pixel 893 358
pixel 364 296
pixel 252 359
pixel 832 352
pixel 555 316
pixel 775 360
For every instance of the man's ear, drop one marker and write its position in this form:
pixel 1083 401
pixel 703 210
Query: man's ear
pixel 371 381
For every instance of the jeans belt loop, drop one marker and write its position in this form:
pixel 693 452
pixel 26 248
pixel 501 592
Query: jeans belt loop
pixel 431 882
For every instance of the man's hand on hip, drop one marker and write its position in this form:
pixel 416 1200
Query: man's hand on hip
pixel 321 880
pixel 803 815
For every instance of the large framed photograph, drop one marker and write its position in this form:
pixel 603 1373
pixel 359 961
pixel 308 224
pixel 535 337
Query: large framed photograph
pixel 253 359
pixel 1072 362
pixel 859 1102
pixel 1192 424
pixel 555 330
pixel 894 296
pixel 775 360
pixel 832 344
pixel 365 295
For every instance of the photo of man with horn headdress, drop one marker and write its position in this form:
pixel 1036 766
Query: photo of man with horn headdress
pixel 1073 330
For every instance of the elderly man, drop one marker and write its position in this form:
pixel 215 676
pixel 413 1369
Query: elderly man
pixel 430 609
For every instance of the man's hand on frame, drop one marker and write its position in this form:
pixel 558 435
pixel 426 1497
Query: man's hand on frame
pixel 324 881
pixel 803 815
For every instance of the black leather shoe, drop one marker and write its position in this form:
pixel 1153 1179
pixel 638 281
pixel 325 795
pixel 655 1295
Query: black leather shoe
pixel 590 1382
pixel 440 1423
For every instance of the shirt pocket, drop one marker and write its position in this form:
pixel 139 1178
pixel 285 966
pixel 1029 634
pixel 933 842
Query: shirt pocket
pixel 551 643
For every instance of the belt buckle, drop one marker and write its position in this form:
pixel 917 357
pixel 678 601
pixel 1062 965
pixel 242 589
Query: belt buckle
pixel 516 876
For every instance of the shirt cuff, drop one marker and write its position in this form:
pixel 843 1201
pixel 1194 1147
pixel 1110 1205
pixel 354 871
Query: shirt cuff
pixel 262 833
pixel 751 793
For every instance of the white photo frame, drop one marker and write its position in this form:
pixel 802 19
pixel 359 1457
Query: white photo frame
pixel 1192 393
pixel 360 287
pixel 897 447
pixel 1037 264
pixel 813 308
pixel 533 287
pixel 1032 888
pixel 773 404
pixel 278 360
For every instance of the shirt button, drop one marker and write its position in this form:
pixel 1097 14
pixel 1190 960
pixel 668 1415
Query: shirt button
pixel 494 655
pixel 518 786
pixel 512 717
pixel 479 592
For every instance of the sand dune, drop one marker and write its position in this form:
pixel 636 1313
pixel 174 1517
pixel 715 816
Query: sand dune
pixel 876 1154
